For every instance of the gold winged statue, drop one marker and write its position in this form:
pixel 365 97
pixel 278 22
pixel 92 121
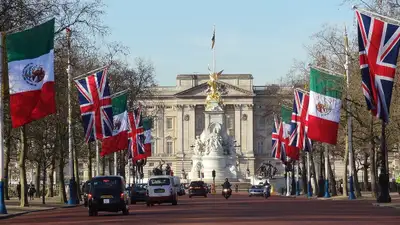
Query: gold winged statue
pixel 213 95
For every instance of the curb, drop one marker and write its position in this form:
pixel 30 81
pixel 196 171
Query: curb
pixel 7 216
pixel 387 205
pixel 22 213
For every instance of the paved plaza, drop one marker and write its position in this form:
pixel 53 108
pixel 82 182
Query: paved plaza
pixel 240 209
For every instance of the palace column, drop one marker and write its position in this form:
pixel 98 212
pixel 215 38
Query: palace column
pixel 179 129
pixel 191 127
pixel 238 125
pixel 160 130
pixel 247 135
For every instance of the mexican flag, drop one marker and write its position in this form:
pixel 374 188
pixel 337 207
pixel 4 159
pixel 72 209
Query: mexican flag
pixel 324 106
pixel 30 56
pixel 119 140
pixel 147 124
pixel 291 151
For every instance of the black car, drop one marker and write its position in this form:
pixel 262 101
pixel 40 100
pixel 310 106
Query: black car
pixel 85 191
pixel 107 193
pixel 138 193
pixel 197 188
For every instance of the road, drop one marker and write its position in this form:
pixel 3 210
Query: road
pixel 240 209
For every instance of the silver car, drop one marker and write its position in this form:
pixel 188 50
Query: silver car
pixel 256 190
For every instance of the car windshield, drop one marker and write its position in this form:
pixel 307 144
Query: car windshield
pixel 106 183
pixel 140 186
pixel 159 181
pixel 197 184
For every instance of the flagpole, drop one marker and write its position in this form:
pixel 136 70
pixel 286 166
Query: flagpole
pixel 349 122
pixel 89 73
pixel 297 177
pixel 287 177
pixel 97 159
pixel 327 194
pixel 310 193
pixel 72 183
pixel 214 63
pixel 3 62
pixel 115 163
pixel 376 14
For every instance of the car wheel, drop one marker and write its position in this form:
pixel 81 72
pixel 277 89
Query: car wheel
pixel 190 196
pixel 125 211
pixel 205 196
pixel 148 204
pixel 133 202
pixel 175 202
pixel 90 212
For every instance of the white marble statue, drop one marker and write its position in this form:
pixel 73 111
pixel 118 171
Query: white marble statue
pixel 198 146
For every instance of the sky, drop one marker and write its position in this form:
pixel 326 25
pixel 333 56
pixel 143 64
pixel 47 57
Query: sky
pixel 260 37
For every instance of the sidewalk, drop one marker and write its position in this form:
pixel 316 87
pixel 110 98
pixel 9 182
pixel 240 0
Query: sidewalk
pixel 13 208
pixel 365 196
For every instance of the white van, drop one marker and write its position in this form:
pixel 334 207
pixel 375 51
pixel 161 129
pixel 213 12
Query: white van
pixel 162 189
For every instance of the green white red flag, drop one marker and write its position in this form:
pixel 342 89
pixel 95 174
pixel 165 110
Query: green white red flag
pixel 291 151
pixel 324 106
pixel 30 55
pixel 119 140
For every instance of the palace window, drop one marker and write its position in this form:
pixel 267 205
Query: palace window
pixel 151 164
pixel 169 148
pixel 199 123
pixel 260 147
pixel 261 122
pixel 169 123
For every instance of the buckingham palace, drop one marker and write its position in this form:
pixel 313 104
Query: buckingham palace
pixel 178 113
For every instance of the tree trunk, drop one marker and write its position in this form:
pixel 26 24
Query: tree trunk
pixel 372 159
pixel 314 174
pixel 345 170
pixel 357 189
pixel 37 179
pixel 365 172
pixel 7 158
pixel 103 165
pixel 50 193
pixel 44 183
pixel 303 172
pixel 110 165
pixel 332 180
pixel 76 173
pixel 122 165
pixel 90 161
pixel 61 165
pixel 22 168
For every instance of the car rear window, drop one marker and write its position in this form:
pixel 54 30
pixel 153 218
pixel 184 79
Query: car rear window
pixel 197 184
pixel 159 181
pixel 140 187
pixel 106 183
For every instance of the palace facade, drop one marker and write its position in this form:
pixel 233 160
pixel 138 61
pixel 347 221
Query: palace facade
pixel 178 113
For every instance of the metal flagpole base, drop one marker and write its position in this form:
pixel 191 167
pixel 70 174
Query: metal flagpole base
pixel 309 193
pixel 384 196
pixel 352 196
pixel 327 194
pixel 72 192
pixel 3 209
pixel 297 188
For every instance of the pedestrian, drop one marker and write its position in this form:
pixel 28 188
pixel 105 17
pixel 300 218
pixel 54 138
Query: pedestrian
pixel 236 188
pixel 19 190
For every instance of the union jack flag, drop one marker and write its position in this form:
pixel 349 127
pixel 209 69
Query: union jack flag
pixel 95 105
pixel 298 137
pixel 278 149
pixel 136 140
pixel 378 43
